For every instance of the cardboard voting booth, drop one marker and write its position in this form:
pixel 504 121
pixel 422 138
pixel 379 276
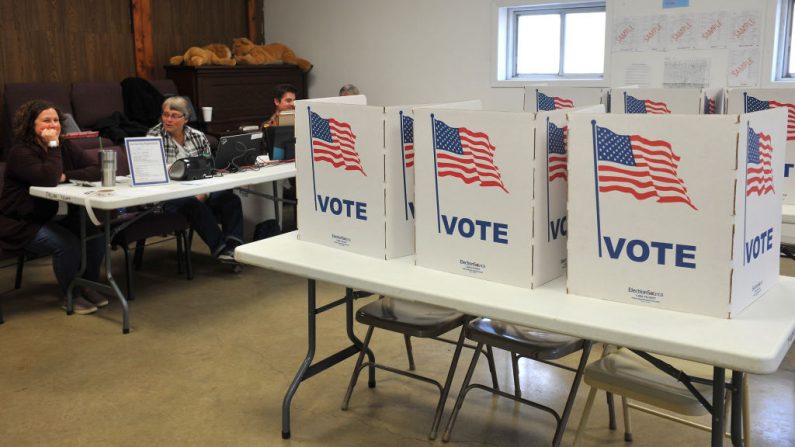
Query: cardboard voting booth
pixel 743 100
pixel 675 212
pixel 543 98
pixel 355 175
pixel 490 192
pixel 658 101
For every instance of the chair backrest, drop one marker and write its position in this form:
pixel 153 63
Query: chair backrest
pixel 17 94
pixel 166 87
pixel 92 101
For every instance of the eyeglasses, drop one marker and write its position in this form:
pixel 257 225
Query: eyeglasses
pixel 173 116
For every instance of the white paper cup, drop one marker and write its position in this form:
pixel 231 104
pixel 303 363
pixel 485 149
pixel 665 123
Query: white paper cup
pixel 207 113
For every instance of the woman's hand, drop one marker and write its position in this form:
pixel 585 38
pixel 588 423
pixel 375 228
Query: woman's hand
pixel 62 179
pixel 201 197
pixel 48 135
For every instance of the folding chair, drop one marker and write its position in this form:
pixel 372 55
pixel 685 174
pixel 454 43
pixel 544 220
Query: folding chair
pixel 411 319
pixel 522 341
pixel 625 373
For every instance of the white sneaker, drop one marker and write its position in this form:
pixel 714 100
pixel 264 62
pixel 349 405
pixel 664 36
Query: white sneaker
pixel 80 306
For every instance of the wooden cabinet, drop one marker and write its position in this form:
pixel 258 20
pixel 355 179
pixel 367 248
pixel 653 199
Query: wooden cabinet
pixel 240 95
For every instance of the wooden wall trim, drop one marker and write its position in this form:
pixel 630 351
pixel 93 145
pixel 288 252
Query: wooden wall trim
pixel 142 32
pixel 251 20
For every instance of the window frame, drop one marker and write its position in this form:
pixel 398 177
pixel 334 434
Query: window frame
pixel 784 41
pixel 512 35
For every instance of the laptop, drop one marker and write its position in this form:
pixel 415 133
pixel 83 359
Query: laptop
pixel 238 151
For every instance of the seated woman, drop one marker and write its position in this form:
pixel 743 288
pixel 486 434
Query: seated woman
pixel 204 212
pixel 28 223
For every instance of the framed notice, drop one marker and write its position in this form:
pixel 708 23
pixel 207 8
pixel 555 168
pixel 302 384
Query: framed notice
pixel 147 160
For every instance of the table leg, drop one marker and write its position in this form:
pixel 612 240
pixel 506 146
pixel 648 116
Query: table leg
pixel 307 369
pixel 111 286
pixel 276 203
pixel 70 289
pixel 310 354
pixel 737 409
pixel 718 396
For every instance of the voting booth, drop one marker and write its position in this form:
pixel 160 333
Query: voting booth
pixel 676 212
pixel 744 100
pixel 355 179
pixel 490 192
pixel 662 101
pixel 543 98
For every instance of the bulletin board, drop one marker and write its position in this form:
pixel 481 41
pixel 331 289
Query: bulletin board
pixel 717 43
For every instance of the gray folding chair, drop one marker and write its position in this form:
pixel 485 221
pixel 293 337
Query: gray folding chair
pixel 526 342
pixel 411 319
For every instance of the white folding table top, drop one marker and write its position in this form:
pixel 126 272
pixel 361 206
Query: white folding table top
pixel 788 214
pixel 123 194
pixel 755 341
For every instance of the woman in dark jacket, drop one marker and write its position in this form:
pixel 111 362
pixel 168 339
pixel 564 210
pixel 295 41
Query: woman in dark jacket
pixel 28 223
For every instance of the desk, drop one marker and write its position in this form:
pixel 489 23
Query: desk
pixel 756 341
pixel 123 195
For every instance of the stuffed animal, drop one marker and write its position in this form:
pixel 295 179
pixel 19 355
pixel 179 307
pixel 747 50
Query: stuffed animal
pixel 212 54
pixel 246 52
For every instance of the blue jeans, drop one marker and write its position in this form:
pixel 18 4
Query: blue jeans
pixel 63 243
pixel 220 207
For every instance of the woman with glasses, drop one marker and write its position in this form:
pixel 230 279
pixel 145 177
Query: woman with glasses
pixel 204 212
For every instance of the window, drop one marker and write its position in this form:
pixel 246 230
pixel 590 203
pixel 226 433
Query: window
pixel 786 62
pixel 555 41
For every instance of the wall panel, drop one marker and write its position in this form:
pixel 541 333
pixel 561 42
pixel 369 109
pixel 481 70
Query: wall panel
pixel 180 24
pixel 64 41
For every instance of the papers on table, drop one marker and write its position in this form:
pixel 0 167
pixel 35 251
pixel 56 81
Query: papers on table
pixel 147 160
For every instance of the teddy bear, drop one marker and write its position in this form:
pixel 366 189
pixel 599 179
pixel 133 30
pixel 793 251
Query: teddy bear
pixel 212 54
pixel 246 52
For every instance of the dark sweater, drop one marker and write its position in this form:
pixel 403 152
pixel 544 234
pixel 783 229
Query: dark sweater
pixel 21 215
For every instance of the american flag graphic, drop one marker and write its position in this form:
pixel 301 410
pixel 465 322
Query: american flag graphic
pixel 407 127
pixel 334 142
pixel 754 105
pixel 759 168
pixel 552 102
pixel 466 155
pixel 635 105
pixel 558 141
pixel 643 168
pixel 709 105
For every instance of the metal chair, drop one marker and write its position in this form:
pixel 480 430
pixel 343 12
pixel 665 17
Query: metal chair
pixel 632 377
pixel 20 258
pixel 522 341
pixel 411 319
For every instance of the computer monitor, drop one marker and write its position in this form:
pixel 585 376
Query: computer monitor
pixel 237 151
pixel 282 137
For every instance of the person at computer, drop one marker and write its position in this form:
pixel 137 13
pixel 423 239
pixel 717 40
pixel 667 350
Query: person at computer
pixel 348 90
pixel 284 100
pixel 31 224
pixel 204 211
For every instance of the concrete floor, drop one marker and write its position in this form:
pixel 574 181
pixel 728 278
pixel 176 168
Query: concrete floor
pixel 208 362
